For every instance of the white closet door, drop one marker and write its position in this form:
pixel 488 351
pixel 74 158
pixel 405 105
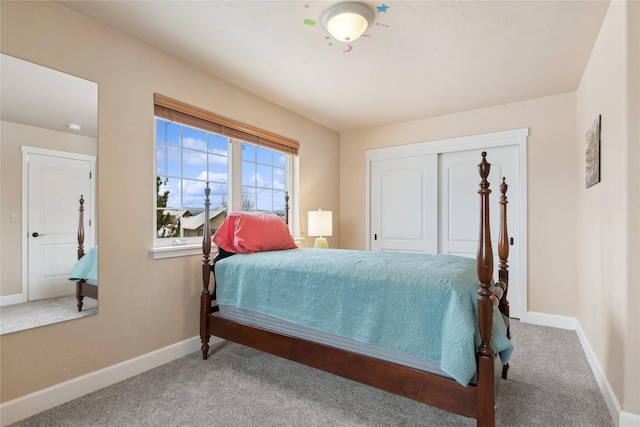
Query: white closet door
pixel 403 204
pixel 459 205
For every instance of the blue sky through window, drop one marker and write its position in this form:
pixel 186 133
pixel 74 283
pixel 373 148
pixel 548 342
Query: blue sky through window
pixel 186 158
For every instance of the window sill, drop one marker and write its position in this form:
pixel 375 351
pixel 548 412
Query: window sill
pixel 162 252
pixel 176 251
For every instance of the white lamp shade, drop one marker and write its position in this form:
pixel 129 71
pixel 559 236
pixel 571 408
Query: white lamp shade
pixel 346 22
pixel 320 223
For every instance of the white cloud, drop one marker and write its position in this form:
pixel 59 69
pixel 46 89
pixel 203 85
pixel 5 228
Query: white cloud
pixel 190 157
pixel 213 177
pixel 194 143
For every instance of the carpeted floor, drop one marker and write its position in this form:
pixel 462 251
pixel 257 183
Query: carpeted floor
pixel 18 317
pixel 238 386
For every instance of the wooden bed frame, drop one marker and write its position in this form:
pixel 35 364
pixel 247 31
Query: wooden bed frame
pixel 83 289
pixel 474 401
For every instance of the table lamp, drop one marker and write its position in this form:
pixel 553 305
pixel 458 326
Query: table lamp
pixel 320 224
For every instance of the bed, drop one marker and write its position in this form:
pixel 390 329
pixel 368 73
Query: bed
pixel 85 271
pixel 405 339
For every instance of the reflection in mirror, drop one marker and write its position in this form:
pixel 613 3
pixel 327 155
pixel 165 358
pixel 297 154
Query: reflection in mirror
pixel 48 154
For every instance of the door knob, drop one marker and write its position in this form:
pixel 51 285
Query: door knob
pixel 35 234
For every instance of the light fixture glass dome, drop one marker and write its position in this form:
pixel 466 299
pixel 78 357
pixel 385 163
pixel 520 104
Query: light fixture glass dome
pixel 346 22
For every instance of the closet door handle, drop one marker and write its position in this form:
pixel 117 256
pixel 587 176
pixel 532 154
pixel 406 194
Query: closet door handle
pixel 36 234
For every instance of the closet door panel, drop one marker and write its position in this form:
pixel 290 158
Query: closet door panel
pixel 403 212
pixel 459 207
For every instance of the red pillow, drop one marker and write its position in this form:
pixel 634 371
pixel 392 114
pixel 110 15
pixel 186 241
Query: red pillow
pixel 245 233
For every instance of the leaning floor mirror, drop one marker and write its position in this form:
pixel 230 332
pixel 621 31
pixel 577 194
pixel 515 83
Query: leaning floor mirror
pixel 48 158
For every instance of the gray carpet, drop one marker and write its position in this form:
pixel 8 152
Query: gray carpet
pixel 32 314
pixel 238 386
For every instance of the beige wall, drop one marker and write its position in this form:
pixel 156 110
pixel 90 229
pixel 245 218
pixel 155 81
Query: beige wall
pixel 632 342
pixel 144 304
pixel 12 137
pixel 607 221
pixel 552 167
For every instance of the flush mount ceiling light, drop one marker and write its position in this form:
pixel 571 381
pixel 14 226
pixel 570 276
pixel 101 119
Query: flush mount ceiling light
pixel 74 126
pixel 346 22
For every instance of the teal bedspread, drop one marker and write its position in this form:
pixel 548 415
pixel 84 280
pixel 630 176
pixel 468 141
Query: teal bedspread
pixel 417 304
pixel 86 268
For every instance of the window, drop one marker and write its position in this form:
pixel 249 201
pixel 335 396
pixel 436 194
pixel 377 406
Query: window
pixel 246 169
pixel 186 160
pixel 264 179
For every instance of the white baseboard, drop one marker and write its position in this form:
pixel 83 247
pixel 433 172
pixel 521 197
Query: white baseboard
pixel 12 299
pixel 552 320
pixel 610 398
pixel 628 419
pixel 31 404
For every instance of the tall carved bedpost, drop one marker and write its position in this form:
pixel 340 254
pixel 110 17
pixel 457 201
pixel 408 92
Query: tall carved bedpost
pixel 485 388
pixel 205 298
pixel 80 283
pixel 286 207
pixel 503 266
pixel 503 249
pixel 81 228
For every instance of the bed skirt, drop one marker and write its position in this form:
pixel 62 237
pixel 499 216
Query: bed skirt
pixel 272 324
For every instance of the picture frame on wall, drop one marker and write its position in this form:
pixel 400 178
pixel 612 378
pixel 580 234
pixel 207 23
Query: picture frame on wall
pixel 593 153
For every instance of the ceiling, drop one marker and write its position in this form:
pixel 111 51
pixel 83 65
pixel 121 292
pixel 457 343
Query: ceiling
pixel 38 96
pixel 418 58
